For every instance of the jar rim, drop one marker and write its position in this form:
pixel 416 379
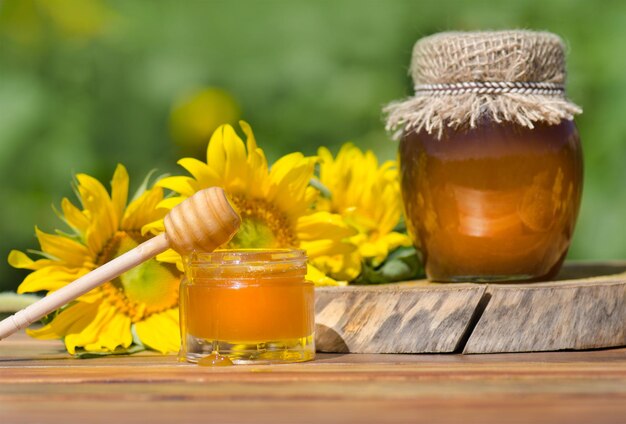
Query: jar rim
pixel 226 257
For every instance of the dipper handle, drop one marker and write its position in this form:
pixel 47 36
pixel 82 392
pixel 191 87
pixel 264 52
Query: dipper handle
pixel 203 222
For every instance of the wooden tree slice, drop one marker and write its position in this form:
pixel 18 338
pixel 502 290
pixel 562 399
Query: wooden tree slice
pixel 584 309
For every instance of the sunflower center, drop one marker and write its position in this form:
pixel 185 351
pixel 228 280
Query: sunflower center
pixel 262 225
pixel 144 290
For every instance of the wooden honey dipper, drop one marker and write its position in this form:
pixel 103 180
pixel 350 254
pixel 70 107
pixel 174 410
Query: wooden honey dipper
pixel 204 221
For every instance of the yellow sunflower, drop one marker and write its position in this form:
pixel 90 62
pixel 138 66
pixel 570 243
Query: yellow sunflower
pixel 274 204
pixel 367 196
pixel 143 300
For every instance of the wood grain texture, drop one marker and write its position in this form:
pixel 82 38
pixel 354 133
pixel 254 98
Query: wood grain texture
pixel 39 382
pixel 587 313
pixel 584 308
pixel 395 318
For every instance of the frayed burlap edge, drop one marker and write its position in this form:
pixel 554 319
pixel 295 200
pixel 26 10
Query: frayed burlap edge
pixel 434 113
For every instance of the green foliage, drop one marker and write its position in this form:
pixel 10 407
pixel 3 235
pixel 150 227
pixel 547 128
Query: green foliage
pixel 86 84
pixel 134 348
pixel 401 265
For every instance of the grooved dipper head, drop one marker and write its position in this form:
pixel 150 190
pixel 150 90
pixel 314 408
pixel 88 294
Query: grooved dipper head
pixel 203 222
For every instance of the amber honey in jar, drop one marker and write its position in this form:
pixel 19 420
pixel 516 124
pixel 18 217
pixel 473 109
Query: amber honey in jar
pixel 490 158
pixel 251 306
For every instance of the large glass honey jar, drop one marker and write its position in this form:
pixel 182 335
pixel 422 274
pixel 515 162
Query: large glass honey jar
pixel 492 191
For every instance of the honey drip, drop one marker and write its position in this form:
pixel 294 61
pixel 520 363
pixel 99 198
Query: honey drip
pixel 215 360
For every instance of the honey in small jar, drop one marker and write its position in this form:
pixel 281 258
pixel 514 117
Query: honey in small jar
pixel 249 306
pixel 490 158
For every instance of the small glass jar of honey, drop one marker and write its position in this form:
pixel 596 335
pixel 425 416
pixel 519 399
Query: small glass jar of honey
pixel 490 158
pixel 249 306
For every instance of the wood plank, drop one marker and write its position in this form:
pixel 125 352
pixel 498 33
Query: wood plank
pixel 175 408
pixel 41 383
pixel 584 308
pixel 586 313
pixel 417 317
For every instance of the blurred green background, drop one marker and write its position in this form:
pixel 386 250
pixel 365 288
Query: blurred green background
pixel 85 84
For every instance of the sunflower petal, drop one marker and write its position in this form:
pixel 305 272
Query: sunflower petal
pixel 380 248
pixel 71 320
pixel 94 327
pixel 119 191
pixel 47 332
pixel 205 176
pixel 160 331
pixel 320 279
pixel 144 209
pixel 216 155
pixel 170 202
pixel 345 267
pixel 395 239
pixel 325 156
pixel 96 239
pixel 325 247
pixel 50 278
pixel 250 139
pixel 155 227
pixel 236 169
pixel 68 251
pixel 20 260
pixel 292 165
pixel 323 225
pixel 90 336
pixel 257 164
pixel 186 186
pixel 311 196
pixel 98 205
pixel 113 332
pixel 74 217
pixel 170 256
pixel 289 179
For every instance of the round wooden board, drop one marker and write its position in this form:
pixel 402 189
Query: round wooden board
pixel 584 308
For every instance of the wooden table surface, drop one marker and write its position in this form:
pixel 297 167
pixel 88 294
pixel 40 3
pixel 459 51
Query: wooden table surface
pixel 41 383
